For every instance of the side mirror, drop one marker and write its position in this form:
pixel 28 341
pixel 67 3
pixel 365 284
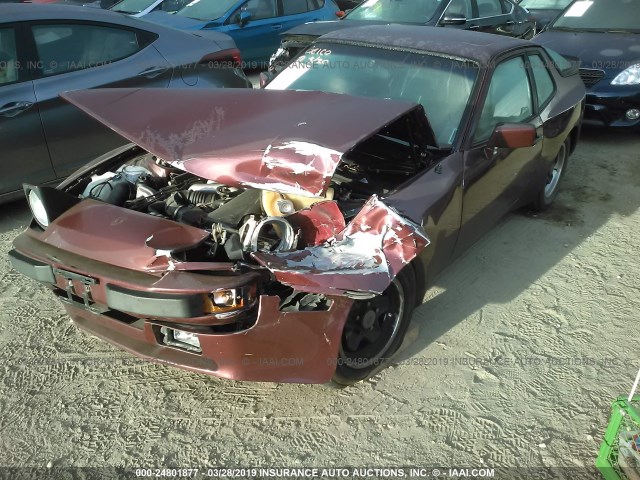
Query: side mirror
pixel 340 14
pixel 454 19
pixel 513 135
pixel 244 18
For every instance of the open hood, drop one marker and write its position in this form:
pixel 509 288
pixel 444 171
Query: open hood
pixel 285 141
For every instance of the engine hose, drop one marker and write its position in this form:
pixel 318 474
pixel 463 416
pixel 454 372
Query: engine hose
pixel 197 197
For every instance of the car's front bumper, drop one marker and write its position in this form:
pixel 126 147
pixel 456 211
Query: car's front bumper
pixel 607 105
pixel 129 309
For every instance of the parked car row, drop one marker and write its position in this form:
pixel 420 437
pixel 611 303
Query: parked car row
pixel 254 25
pixel 603 37
pixel 502 17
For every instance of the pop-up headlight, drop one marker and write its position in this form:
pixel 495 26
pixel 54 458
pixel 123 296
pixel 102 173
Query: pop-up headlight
pixel 47 203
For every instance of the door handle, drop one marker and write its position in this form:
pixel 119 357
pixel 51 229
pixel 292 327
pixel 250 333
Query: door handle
pixel 474 27
pixel 153 72
pixel 14 108
pixel 276 27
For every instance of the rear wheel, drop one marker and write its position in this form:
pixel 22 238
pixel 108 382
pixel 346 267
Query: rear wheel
pixel 375 329
pixel 549 190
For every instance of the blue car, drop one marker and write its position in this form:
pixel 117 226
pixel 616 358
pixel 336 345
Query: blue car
pixel 255 25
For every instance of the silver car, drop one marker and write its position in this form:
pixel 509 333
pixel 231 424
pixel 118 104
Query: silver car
pixel 49 49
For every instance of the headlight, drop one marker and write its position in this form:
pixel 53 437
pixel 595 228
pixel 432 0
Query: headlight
pixel 47 203
pixel 631 76
pixel 37 209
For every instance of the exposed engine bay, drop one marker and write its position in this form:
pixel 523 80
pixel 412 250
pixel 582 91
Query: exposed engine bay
pixel 312 208
pixel 242 221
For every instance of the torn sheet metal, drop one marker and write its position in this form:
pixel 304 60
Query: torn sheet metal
pixel 284 141
pixel 364 257
pixel 318 223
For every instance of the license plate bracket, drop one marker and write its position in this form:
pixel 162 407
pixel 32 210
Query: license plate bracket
pixel 85 281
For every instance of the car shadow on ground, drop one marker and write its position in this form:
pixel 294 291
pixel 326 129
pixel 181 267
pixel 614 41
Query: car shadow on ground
pixel 14 215
pixel 603 181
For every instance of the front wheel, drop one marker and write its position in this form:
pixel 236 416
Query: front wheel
pixel 549 190
pixel 375 329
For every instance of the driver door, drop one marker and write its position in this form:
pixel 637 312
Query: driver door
pixel 496 178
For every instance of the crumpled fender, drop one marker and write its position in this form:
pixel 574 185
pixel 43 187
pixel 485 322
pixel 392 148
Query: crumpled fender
pixel 364 258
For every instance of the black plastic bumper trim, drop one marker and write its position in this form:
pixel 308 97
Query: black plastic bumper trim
pixel 39 271
pixel 154 304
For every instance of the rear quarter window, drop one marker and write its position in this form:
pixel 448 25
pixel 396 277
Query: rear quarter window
pixel 64 48
pixel 544 83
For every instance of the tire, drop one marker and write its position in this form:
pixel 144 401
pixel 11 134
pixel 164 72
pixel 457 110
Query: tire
pixel 375 329
pixel 549 190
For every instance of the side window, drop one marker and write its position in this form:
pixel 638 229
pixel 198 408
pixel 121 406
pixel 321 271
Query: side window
pixel 9 65
pixel 489 8
pixel 291 7
pixel 261 9
pixel 544 82
pixel 460 8
pixel 66 48
pixel 508 98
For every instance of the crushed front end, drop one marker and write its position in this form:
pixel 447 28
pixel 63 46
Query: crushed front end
pixel 244 266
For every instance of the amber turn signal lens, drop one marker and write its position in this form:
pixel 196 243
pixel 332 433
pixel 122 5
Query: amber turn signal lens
pixel 228 300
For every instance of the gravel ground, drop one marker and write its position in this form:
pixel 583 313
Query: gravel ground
pixel 512 360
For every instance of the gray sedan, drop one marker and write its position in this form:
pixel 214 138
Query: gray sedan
pixel 49 49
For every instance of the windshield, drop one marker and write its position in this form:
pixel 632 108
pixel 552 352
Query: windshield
pixel 207 9
pixel 132 6
pixel 600 16
pixel 545 4
pixel 396 11
pixel 442 85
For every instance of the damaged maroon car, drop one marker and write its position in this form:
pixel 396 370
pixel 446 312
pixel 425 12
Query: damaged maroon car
pixel 286 234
